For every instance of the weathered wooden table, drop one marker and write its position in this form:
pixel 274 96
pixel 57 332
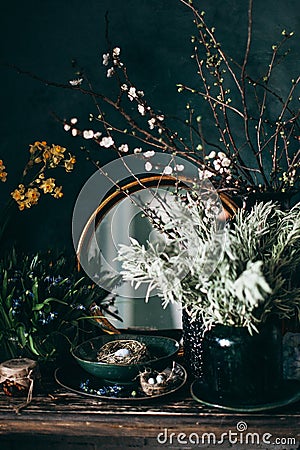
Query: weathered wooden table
pixel 63 420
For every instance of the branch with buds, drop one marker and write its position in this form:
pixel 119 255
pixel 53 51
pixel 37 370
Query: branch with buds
pixel 264 157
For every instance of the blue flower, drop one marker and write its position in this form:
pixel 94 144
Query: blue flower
pixel 58 279
pixel 16 302
pixel 48 279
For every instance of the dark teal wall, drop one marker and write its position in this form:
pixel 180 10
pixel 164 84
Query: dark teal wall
pixel 43 37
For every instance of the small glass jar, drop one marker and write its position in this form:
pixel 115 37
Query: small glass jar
pixel 17 377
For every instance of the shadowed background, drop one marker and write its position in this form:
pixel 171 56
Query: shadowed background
pixel 154 35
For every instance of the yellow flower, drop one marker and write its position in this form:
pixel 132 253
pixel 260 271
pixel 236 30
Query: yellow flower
pixel 18 194
pixel 57 192
pixel 25 199
pixel 69 163
pixel 46 154
pixel 40 145
pixel 37 146
pixel 3 176
pixel 48 185
pixel 57 150
pixel 32 195
pixel 55 160
pixel 21 205
pixel 57 155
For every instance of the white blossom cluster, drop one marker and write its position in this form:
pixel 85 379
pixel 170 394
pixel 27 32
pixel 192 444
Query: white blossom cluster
pixel 107 58
pixel 108 142
pixel 154 121
pixel 220 163
pixel 167 170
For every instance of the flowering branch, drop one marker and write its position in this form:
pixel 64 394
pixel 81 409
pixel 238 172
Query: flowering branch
pixel 43 157
pixel 266 158
pixel 216 64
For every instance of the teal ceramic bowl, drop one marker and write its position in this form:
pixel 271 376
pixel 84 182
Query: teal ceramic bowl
pixel 163 348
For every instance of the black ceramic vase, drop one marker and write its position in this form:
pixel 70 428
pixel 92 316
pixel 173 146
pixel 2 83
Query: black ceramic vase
pixel 242 367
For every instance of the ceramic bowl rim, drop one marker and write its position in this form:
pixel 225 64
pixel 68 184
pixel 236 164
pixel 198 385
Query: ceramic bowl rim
pixel 133 336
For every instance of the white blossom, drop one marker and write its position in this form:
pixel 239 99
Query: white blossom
pixel 161 118
pixel 148 166
pixel 107 142
pixel 151 123
pixel 116 52
pixel 179 167
pixel 74 132
pixel 221 163
pixel 110 72
pixel 124 148
pixel 226 162
pixel 105 59
pixel 74 120
pixel 217 164
pixel 132 93
pixel 67 127
pixel 88 134
pixel 168 170
pixel 137 150
pixel 211 155
pixel 149 154
pixel 203 174
pixel 76 82
pixel 97 134
pixel 124 87
pixel 141 110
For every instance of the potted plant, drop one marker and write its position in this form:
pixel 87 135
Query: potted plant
pixel 236 280
pixel 44 305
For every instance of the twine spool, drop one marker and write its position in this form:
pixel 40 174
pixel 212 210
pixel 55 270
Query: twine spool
pixel 17 377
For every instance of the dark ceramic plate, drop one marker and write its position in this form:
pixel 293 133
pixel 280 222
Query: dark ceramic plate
pixel 79 381
pixel 288 393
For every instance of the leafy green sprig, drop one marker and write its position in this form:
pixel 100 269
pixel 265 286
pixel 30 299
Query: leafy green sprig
pixel 240 274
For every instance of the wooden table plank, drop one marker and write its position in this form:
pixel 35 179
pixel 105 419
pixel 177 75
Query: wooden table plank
pixel 65 418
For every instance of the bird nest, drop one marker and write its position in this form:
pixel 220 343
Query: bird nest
pixel 123 352
pixel 155 383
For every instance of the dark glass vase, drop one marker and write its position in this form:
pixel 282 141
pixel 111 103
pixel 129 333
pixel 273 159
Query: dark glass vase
pixel 242 367
pixel 193 332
